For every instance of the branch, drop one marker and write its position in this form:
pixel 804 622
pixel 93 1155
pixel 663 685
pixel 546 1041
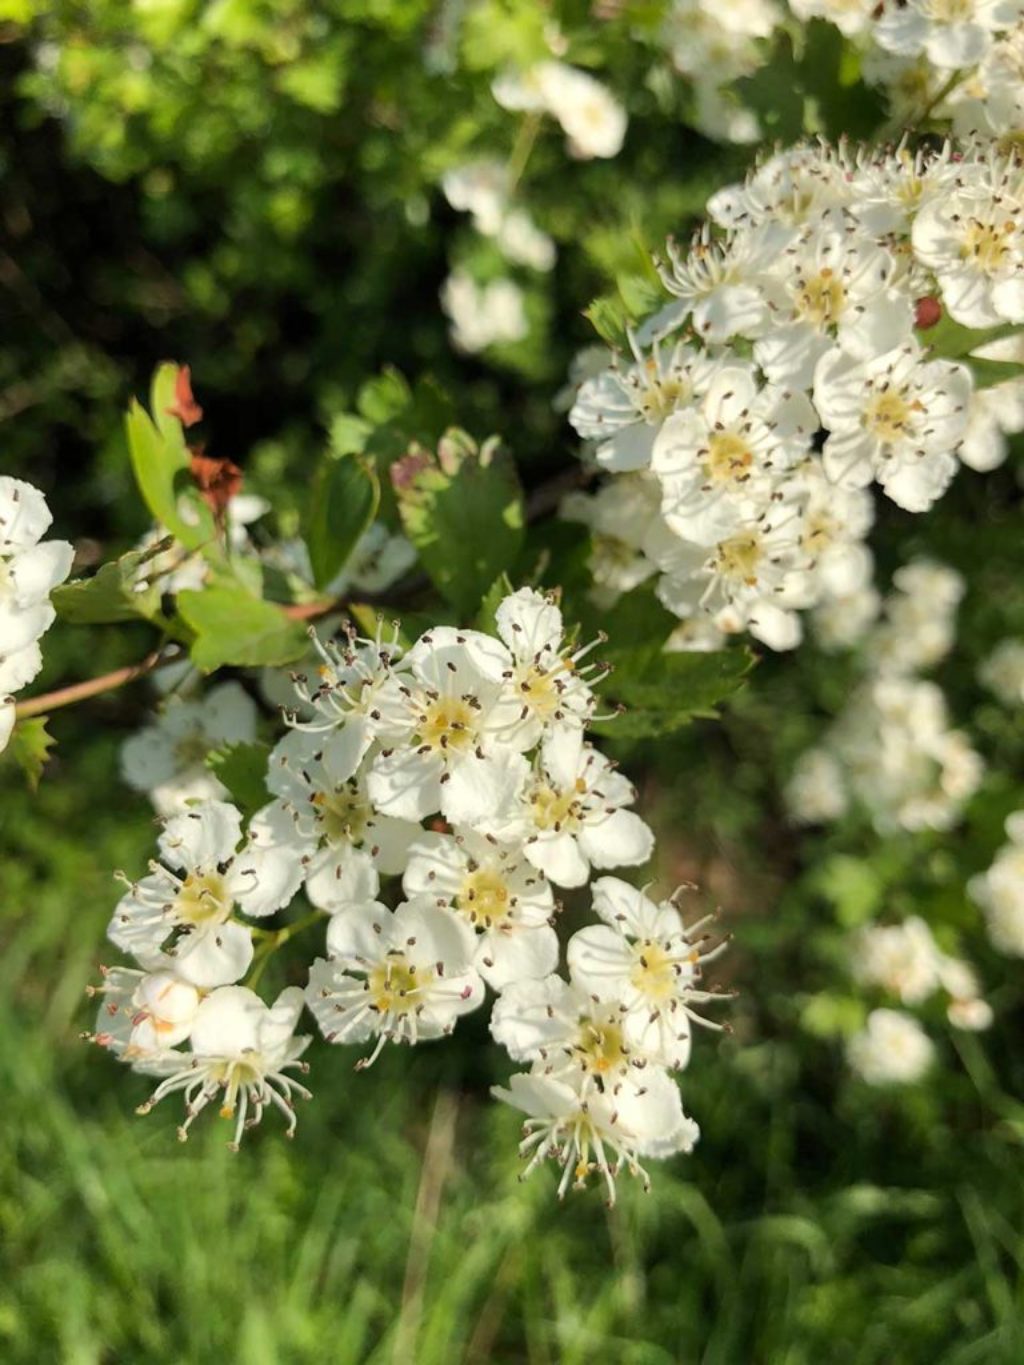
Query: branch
pixel 107 682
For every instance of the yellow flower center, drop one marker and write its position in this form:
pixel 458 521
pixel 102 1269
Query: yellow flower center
pixel 447 723
pixel 653 972
pixel 662 396
pixel 986 244
pixel 729 458
pixel 203 899
pixel 739 557
pixel 552 809
pixel 342 814
pixel 888 415
pixel 600 1047
pixel 394 987
pixel 821 298
pixel 484 898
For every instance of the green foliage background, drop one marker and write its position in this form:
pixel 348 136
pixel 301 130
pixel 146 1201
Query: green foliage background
pixel 251 187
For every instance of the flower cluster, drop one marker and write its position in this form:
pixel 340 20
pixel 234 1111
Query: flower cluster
pixel 903 960
pixel 791 372
pixel 1000 891
pixel 30 569
pixel 460 766
pixel 891 749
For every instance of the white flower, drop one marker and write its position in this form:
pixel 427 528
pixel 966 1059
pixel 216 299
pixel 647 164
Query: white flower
pixel 624 409
pixel 972 237
pixel 1000 891
pixel 402 976
pixel 815 792
pixel 835 522
pixel 181 915
pixel 851 17
pixel 833 281
pixel 479 188
pixel 452 752
pixel 951 33
pixel 591 118
pixel 794 187
pixel 600 1132
pixel 893 1049
pixel 897 418
pixel 620 516
pixel 1003 672
pixel 843 621
pixel 324 812
pixel 522 241
pixel 570 814
pixel 919 628
pixel 143 1014
pixel 644 958
pixel 167 759
pixel 30 568
pixel 241 1051
pixel 507 902
pixel 546 685
pixel 903 959
pixel 743 580
pixel 7 719
pixel 483 315
pixel 717 461
pixel 721 283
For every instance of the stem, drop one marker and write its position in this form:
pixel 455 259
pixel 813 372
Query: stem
pixel 894 126
pixel 521 149
pixel 278 939
pixel 92 687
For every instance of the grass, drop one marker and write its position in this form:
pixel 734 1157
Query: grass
pixel 818 1220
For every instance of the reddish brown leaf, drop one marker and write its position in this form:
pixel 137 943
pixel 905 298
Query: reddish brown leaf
pixel 217 478
pixel 185 407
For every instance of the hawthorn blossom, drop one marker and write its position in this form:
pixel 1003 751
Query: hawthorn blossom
pixel 896 418
pixel 569 815
pixel 400 976
pixel 182 913
pixel 323 810
pixel 602 1131
pixel 167 760
pixel 483 315
pixel 30 568
pixel 1002 672
pixel 999 891
pixel 240 1051
pixel 643 957
pixel 509 905
pixel 451 750
pixel 891 1049
pixel 951 36
pixel 143 1014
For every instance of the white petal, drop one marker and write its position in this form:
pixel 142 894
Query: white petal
pixel 202 837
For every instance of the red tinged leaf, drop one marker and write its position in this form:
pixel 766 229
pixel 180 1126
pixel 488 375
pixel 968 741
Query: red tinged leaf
pixel 217 478
pixel 927 313
pixel 185 407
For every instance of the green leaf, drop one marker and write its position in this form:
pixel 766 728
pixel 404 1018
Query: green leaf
pixel 29 747
pixel 949 340
pixel 663 692
pixel 487 615
pixel 109 595
pixel 986 373
pixel 609 318
pixel 233 627
pixel 161 462
pixel 243 770
pixel 384 397
pixel 346 495
pixel 463 510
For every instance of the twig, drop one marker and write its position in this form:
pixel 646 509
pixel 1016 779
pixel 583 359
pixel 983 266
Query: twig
pixel 92 687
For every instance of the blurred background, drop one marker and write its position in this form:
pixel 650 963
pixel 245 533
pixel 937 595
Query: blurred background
pixel 254 189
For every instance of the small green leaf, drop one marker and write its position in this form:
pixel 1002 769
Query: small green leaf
pixel 161 461
pixel 663 692
pixel 986 373
pixel 346 495
pixel 30 746
pixel 949 340
pixel 493 598
pixel 609 318
pixel 110 594
pixel 243 770
pixel 463 510
pixel 233 627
